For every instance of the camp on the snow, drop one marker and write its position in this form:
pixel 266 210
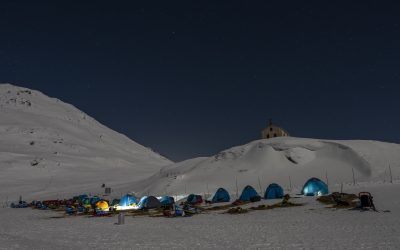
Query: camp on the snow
pixel 149 202
pixel 249 194
pixel 221 196
pixel 314 186
pixel 273 191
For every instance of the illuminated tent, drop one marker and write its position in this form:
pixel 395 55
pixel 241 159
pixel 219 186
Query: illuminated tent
pixel 102 205
pixel 127 200
pixel 274 191
pixel 314 186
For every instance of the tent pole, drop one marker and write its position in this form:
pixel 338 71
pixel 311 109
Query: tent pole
pixel 327 179
pixel 354 179
pixel 237 190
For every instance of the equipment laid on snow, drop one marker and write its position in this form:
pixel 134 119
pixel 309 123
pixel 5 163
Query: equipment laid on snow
pixel 314 186
pixel 366 201
pixel 221 196
pixel 274 191
pixel 20 204
pixel 249 194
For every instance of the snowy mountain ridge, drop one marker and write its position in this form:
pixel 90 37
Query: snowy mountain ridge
pixel 287 161
pixel 49 147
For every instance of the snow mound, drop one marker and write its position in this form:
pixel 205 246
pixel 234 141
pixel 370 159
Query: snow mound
pixel 49 148
pixel 285 160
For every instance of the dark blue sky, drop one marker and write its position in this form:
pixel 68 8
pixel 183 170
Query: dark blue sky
pixel 191 78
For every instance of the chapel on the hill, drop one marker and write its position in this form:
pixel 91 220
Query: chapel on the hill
pixel 273 131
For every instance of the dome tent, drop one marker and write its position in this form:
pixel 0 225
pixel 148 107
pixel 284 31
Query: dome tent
pixel 273 191
pixel 127 200
pixel 314 186
pixel 102 205
pixel 221 196
pixel 115 202
pixel 249 194
pixel 148 202
pixel 167 200
pixel 194 199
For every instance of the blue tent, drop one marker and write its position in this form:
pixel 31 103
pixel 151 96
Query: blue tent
pixel 148 202
pixel 274 191
pixel 221 196
pixel 314 186
pixel 194 199
pixel 166 200
pixel 127 200
pixel 248 194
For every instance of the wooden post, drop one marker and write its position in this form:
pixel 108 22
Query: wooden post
pixel 390 172
pixel 259 184
pixel 327 179
pixel 208 193
pixel 354 178
pixel 237 190
pixel 121 218
pixel 290 184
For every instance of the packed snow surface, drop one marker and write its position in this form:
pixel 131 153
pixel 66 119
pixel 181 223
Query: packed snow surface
pixel 51 149
pixel 312 226
pixel 287 161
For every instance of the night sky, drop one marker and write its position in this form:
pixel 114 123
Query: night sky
pixel 191 78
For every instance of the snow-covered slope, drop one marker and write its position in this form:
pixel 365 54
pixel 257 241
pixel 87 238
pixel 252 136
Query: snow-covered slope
pixel 287 161
pixel 48 147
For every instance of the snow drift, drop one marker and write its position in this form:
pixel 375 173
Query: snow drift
pixel 287 161
pixel 48 147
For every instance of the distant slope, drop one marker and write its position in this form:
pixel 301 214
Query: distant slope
pixel 277 160
pixel 50 148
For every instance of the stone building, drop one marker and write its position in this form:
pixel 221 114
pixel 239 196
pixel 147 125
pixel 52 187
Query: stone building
pixel 273 131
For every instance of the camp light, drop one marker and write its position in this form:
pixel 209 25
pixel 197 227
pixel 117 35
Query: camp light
pixel 122 208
